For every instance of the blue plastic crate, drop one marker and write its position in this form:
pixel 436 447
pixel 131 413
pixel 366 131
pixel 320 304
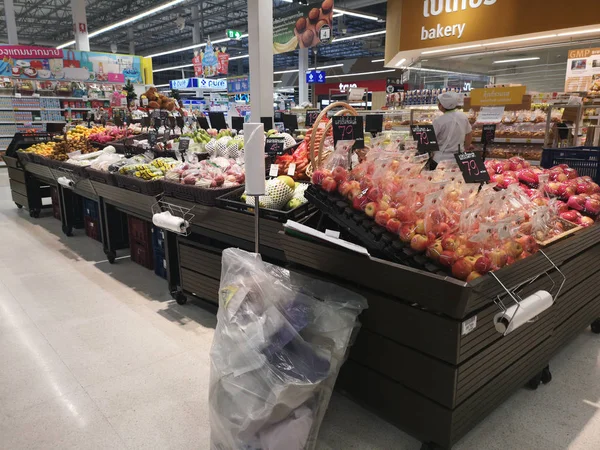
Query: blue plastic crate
pixel 586 160
pixel 158 239
pixel 91 209
pixel 160 264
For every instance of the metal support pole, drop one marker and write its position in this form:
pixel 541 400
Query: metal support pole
pixel 131 41
pixel 256 223
pixel 196 26
pixel 11 23
pixel 302 69
pixel 82 41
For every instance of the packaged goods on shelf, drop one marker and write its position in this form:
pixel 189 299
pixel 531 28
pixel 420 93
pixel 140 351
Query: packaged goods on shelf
pixel 52 103
pixel 6 102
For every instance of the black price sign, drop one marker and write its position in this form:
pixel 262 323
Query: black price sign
pixel 145 122
pixel 152 134
pixel 118 120
pixel 184 144
pixel 157 122
pixel 472 167
pixel 488 134
pixel 348 128
pixel 179 122
pixel 274 146
pixel 311 116
pixel 374 123
pixel 171 122
pixel 425 137
pixel 166 135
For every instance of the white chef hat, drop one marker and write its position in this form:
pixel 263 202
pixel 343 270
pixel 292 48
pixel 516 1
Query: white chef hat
pixel 450 100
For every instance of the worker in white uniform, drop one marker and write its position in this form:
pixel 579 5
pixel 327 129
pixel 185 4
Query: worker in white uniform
pixel 452 129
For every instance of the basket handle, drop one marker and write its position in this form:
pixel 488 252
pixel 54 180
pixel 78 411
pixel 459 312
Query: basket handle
pixel 323 113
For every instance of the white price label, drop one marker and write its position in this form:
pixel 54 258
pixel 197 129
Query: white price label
pixel 17 95
pixel 469 325
pixel 332 233
pixel 291 169
pixel 274 170
pixel 84 98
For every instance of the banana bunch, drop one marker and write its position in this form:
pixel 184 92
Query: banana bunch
pixel 144 171
pixel 43 148
pixel 164 164
pixel 289 46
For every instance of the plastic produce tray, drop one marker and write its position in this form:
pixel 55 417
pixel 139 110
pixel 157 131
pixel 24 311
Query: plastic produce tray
pixel 101 176
pixel 146 187
pixel 192 193
pixel 376 239
pixel 586 160
pixel 232 201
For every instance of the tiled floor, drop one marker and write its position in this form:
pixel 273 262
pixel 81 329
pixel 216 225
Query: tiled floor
pixel 97 356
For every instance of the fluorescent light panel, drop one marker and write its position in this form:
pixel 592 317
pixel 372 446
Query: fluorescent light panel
pixel 161 85
pixel 164 69
pixel 503 61
pixel 465 47
pixel 358 36
pixel 127 21
pixel 311 68
pixel 238 57
pixel 362 73
pixel 190 47
pixel 355 14
pixel 377 60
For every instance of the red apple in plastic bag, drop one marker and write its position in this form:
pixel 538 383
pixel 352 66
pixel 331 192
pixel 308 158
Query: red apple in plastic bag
pixel 483 265
pixel 419 243
pixel 381 218
pixel 329 184
pixel 571 216
pixel 407 232
pixel 447 258
pixel 592 206
pixel 586 221
pixel 435 250
pixel 393 226
pixel 576 202
pixel 462 268
pixel 340 174
pixel 529 177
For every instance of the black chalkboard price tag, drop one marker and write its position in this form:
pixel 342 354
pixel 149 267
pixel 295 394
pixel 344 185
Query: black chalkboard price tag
pixel 311 116
pixel 374 123
pixel 184 144
pixel 488 133
pixel 157 122
pixel 166 135
pixel 179 122
pixel 348 128
pixel 425 137
pixel 152 134
pixel 472 167
pixel 274 146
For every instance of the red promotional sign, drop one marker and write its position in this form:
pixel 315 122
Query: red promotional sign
pixel 197 61
pixel 82 27
pixel 29 52
pixel 222 63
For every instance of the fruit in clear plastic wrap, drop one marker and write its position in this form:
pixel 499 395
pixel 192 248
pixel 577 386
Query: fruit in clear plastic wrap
pixel 319 175
pixel 381 218
pixel 447 258
pixel 371 209
pixel 576 202
pixel 592 206
pixel 329 184
pixel 374 194
pixel 528 243
pixel 512 249
pixel 472 276
pixel 450 243
pixel 407 232
pixel 435 250
pixel 344 188
pixel 570 173
pixel 462 268
pixel 353 193
pixel 529 177
pixel 571 216
pixel 419 242
pixel 420 226
pixel 483 265
pixel 586 221
pixel 393 226
pixel 360 202
pixel 340 174
pixel 498 257
pixel 393 212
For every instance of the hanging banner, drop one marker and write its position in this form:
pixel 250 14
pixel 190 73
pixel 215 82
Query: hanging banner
pixel 51 64
pixel 197 62
pixel 583 71
pixel 309 26
pixel 238 85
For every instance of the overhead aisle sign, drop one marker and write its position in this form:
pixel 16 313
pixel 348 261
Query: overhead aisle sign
pixel 315 76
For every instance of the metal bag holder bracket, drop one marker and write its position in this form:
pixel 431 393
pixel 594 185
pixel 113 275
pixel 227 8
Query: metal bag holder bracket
pixel 177 211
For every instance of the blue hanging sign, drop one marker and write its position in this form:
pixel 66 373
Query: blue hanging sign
pixel 315 76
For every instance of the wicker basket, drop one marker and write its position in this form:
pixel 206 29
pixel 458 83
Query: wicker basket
pixel 101 176
pixel 146 187
pixel 196 194
pixel 317 160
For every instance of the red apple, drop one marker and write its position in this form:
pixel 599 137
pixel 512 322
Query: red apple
pixel 329 184
pixel 419 242
pixel 483 264
pixel 447 258
pixel 340 174
pixel 473 275
pixel 392 212
pixel 319 176
pixel 407 232
pixel 450 243
pixel 344 188
pixel 462 268
pixel 359 202
pixel 586 221
pixel 393 226
pixel 498 258
pixel 592 206
pixel 512 249
pixel 381 218
pixel 420 227
pixel 434 251
pixel 374 194
pixel 527 242
pixel 354 193
pixel 371 209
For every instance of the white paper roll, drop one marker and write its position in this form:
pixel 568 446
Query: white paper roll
pixel 254 158
pixel 530 307
pixel 64 181
pixel 170 222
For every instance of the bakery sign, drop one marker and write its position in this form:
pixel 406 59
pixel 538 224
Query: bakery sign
pixel 424 24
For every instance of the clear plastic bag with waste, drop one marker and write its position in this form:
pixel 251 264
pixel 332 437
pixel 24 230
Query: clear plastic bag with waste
pixel 280 341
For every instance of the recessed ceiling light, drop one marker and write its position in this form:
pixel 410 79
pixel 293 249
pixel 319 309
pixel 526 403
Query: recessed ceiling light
pixel 503 61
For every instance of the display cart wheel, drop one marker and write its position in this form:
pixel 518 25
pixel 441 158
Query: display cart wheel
pixel 534 383
pixel 18 205
pixel 546 375
pixel 111 256
pixel 67 230
pixel 596 326
pixel 430 446
pixel 179 297
pixel 34 212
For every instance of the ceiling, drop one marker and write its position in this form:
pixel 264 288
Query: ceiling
pixel 49 23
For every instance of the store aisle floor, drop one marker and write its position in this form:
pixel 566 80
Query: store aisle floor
pixel 97 356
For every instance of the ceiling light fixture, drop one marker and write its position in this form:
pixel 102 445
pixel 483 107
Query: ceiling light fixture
pixel 399 63
pixel 362 73
pixel 161 85
pixel 190 47
pixel 357 14
pixel 573 33
pixel 503 61
pixel 358 36
pixel 164 69
pixel 311 68
pixel 127 21
pixel 465 47
pixel 378 60
pixel 512 41
pixel 238 57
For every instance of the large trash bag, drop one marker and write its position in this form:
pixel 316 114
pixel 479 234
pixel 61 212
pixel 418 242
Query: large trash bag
pixel 280 341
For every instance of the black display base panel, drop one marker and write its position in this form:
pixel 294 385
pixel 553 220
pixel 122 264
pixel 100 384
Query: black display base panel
pixel 377 240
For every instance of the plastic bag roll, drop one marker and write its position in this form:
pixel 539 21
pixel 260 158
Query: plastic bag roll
pixel 169 222
pixel 530 307
pixel 64 181
pixel 254 158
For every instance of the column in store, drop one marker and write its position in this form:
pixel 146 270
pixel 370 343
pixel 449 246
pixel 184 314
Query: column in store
pixel 82 41
pixel 11 24
pixel 303 68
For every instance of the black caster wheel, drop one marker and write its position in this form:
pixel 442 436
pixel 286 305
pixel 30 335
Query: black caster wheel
pixel 596 326
pixel 67 230
pixel 111 256
pixel 35 213
pixel 546 375
pixel 534 383
pixel 19 206
pixel 179 297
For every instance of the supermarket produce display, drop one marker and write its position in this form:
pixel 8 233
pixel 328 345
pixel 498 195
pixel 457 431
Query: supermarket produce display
pixel 421 227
